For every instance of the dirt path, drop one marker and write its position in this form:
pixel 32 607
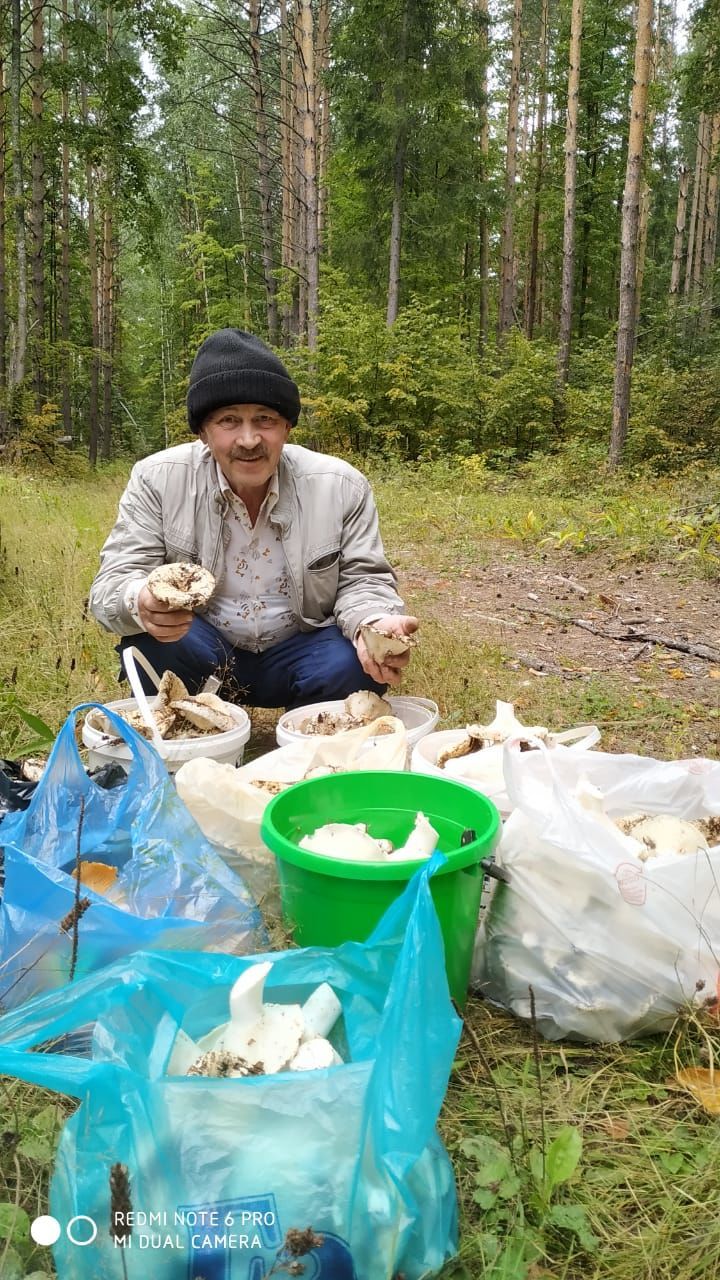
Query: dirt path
pixel 525 601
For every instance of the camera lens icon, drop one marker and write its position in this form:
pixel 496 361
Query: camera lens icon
pixel 80 1230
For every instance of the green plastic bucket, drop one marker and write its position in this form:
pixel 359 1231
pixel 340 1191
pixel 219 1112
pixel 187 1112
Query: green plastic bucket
pixel 327 901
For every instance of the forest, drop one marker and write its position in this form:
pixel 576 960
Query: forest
pixel 472 228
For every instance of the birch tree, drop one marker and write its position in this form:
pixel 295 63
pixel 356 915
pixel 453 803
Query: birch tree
pixel 398 173
pixel 310 188
pixel 264 165
pixel 539 166
pixel 568 268
pixel 64 283
pixel 19 351
pixel 3 261
pixel 507 242
pixel 629 232
pixel 37 200
pixel 483 16
pixel 679 236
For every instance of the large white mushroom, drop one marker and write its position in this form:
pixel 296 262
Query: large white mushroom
pixel 181 585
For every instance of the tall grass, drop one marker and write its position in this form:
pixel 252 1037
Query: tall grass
pixel 52 655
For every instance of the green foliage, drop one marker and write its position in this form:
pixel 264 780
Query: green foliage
pixel 517 1189
pixel 44 736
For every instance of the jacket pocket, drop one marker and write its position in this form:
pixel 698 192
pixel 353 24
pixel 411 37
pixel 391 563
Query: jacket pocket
pixel 320 585
pixel 179 546
pixel 327 561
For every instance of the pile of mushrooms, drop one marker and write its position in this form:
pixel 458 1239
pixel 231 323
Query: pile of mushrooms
pixel 352 842
pixel 259 1038
pixel 652 835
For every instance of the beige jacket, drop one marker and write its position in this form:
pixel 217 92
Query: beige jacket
pixel 173 509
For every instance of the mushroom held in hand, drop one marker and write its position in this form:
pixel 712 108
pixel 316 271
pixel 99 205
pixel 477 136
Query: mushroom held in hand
pixel 381 646
pixel 181 586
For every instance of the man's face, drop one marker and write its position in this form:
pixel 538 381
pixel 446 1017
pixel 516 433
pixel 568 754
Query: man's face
pixel 246 441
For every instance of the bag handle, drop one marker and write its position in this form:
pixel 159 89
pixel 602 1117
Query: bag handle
pixel 57 1071
pixel 536 804
pixel 131 656
pixel 58 1013
pixel 371 730
pixel 582 737
pixel 65 764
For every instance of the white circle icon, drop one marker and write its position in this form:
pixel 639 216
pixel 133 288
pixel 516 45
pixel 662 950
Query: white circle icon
pixel 81 1217
pixel 45 1230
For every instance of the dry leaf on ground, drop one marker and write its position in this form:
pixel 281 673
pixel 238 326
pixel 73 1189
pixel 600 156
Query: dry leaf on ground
pixel 703 1085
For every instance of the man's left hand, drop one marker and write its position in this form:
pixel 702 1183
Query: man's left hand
pixel 391 671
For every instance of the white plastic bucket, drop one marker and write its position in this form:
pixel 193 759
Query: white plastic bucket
pixel 419 715
pixel 226 748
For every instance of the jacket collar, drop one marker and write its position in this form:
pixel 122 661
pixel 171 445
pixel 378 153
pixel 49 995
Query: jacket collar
pixel 284 509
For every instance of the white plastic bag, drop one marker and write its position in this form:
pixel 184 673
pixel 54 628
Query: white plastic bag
pixel 483 770
pixel 228 808
pixel 611 946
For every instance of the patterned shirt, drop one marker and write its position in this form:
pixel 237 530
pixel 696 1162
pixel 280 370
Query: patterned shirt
pixel 252 607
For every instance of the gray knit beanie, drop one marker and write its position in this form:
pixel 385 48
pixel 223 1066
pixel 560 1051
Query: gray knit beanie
pixel 234 367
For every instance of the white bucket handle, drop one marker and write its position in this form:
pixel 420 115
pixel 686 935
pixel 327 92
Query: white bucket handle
pixel 130 657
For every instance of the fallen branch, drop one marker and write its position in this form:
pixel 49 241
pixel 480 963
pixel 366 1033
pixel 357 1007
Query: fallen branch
pixel 683 646
pixel 543 668
pixel 574 586
pixel 490 617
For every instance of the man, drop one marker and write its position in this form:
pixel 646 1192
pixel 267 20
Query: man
pixel 290 535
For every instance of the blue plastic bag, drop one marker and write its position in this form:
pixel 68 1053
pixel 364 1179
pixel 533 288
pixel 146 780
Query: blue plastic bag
pixel 173 889
pixel 225 1167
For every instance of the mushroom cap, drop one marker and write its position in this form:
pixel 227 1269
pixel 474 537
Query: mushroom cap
pixel 181 585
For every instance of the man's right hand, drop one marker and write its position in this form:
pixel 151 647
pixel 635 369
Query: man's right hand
pixel 160 621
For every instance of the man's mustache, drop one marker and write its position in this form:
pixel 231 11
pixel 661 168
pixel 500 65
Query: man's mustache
pixel 239 455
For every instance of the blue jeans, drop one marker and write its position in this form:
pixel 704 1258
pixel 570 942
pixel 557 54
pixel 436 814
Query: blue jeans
pixel 311 666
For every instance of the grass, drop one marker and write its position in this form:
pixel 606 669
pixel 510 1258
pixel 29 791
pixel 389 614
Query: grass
pixel 641 1200
pixel 449 509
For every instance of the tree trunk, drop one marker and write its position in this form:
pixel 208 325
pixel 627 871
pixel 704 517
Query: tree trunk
pixel 263 155
pixel 483 14
pixel 697 263
pixel 568 270
pixel 247 316
pixel 697 183
pixel 17 366
pixel 710 225
pixel 322 62
pixel 287 167
pixel 37 203
pixel 65 239
pixel 107 275
pixel 629 233
pixel 539 165
pixel 644 220
pixel 200 269
pixel 310 171
pixel 507 246
pixel 3 265
pixel 299 208
pixel 680 217
pixel 93 417
pixel 393 299
pixel 107 325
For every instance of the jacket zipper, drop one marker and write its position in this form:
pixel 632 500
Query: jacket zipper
pixel 220 506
